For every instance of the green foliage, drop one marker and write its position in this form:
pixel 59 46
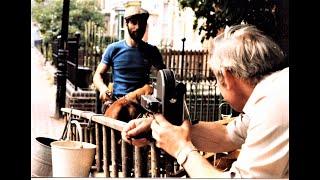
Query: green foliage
pixel 39 1
pixel 219 13
pixel 48 15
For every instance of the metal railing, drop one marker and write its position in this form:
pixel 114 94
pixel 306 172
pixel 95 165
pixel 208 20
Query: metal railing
pixel 188 65
pixel 203 100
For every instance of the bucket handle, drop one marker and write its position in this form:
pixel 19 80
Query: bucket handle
pixel 78 129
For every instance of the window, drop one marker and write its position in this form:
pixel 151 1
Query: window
pixel 121 26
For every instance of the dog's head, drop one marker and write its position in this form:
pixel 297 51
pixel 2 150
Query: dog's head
pixel 128 107
pixel 124 110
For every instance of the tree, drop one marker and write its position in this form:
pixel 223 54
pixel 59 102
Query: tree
pixel 270 16
pixel 48 13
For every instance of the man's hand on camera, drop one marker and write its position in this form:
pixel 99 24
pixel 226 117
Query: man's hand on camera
pixel 134 128
pixel 169 137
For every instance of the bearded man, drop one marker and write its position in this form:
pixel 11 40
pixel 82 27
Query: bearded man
pixel 130 59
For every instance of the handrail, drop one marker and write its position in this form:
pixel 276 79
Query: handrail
pixel 110 122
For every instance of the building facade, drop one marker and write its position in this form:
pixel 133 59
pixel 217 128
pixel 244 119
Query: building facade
pixel 168 24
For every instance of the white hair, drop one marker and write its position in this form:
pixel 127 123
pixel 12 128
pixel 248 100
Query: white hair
pixel 246 52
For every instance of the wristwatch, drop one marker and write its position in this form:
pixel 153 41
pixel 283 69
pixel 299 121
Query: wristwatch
pixel 183 154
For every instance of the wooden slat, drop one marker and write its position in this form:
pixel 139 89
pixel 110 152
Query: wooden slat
pixel 155 172
pixel 114 154
pixel 85 134
pixel 98 158
pixel 124 159
pixel 105 152
pixel 137 162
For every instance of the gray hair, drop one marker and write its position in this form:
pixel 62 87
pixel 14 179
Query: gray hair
pixel 246 52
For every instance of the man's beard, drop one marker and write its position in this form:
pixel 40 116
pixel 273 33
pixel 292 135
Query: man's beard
pixel 137 35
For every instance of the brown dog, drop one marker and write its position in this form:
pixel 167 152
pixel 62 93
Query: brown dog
pixel 125 109
pixel 128 107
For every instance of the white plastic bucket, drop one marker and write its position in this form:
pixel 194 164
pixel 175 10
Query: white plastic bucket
pixel 72 158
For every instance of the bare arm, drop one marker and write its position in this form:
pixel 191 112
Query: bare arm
pixel 211 137
pixel 176 141
pixel 198 167
pixel 98 80
pixel 205 136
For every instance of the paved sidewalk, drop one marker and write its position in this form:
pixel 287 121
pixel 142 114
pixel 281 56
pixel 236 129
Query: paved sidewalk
pixel 43 93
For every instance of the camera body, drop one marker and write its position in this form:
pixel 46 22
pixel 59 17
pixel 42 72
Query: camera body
pixel 167 97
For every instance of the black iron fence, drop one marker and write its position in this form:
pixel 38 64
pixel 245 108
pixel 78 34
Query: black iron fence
pixel 77 74
pixel 72 60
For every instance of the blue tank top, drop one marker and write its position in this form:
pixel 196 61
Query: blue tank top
pixel 131 65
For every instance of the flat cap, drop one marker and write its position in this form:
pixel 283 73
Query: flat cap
pixel 135 10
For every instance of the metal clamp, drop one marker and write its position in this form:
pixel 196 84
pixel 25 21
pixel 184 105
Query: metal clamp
pixel 80 116
pixel 90 119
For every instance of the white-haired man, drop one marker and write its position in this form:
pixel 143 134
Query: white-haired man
pixel 251 76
